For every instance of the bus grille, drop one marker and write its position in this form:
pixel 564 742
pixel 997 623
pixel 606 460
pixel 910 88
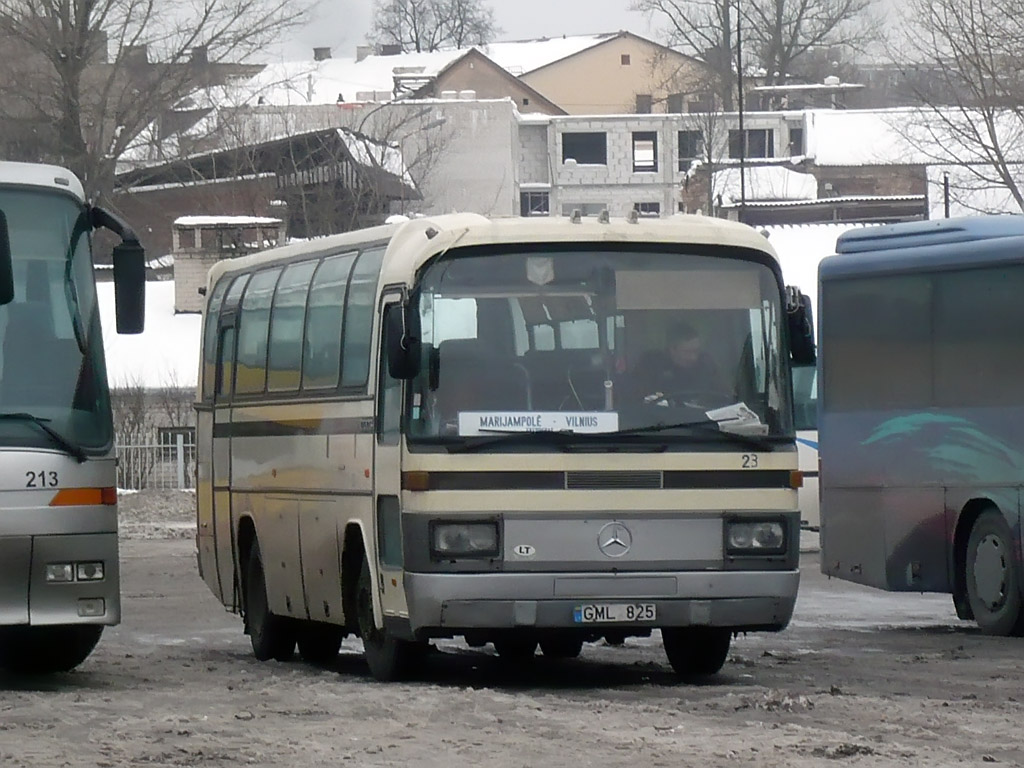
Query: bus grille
pixel 581 481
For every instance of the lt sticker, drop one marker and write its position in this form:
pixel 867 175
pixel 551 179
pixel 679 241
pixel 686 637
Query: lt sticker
pixel 524 550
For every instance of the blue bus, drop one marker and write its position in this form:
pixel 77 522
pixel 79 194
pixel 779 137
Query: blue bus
pixel 921 364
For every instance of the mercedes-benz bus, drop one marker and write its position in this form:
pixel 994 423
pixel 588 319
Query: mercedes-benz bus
pixel 59 583
pixel 922 412
pixel 442 428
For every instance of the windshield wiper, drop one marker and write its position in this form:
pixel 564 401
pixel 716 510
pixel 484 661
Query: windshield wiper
pixel 66 445
pixel 710 427
pixel 564 440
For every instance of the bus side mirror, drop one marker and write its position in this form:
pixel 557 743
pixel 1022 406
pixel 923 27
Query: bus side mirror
pixel 801 327
pixel 130 287
pixel 6 264
pixel 403 346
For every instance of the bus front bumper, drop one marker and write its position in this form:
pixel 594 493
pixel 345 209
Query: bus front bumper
pixel 29 597
pixel 741 600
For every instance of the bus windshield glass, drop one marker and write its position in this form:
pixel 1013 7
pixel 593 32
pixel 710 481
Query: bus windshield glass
pixel 52 376
pixel 670 346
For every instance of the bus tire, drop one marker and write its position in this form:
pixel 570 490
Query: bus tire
pixel 46 650
pixel 389 658
pixel 272 637
pixel 562 647
pixel 319 643
pixel 993 576
pixel 696 651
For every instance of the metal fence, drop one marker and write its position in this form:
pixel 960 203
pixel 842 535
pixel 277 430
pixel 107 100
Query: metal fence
pixel 165 466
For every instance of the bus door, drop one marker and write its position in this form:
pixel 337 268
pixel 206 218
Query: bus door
pixel 387 471
pixel 221 457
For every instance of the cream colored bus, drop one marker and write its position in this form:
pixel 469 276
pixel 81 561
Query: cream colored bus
pixel 457 426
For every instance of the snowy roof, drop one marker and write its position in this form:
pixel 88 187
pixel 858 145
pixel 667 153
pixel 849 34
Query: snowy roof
pixel 765 183
pixel 212 221
pixel 290 83
pixel 166 354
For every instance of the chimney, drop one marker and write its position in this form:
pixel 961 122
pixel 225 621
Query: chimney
pixel 136 54
pixel 200 55
pixel 362 51
pixel 321 54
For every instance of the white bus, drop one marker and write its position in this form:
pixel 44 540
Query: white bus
pixel 442 428
pixel 59 582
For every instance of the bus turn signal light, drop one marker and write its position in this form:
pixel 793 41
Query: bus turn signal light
pixel 84 497
pixel 796 479
pixel 415 481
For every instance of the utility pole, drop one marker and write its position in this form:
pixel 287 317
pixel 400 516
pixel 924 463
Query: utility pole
pixel 743 135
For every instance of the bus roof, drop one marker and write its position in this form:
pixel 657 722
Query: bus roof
pixel 926 246
pixel 412 243
pixel 37 175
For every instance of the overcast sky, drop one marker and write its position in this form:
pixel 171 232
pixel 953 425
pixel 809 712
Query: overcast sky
pixel 343 24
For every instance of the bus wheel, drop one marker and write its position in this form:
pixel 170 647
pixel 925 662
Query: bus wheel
pixel 993 576
pixel 272 637
pixel 389 658
pixel 319 643
pixel 515 648
pixel 562 647
pixel 44 650
pixel 696 651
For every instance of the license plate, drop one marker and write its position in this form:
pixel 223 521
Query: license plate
pixel 599 613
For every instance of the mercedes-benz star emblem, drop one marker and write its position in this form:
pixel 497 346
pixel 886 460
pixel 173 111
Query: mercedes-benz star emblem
pixel 614 540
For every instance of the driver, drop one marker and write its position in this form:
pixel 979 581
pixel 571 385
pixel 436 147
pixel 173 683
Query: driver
pixel 684 371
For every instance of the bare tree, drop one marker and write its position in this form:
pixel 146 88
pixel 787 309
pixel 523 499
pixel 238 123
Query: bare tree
pixel 428 25
pixel 777 34
pixel 133 434
pixel 78 79
pixel 973 118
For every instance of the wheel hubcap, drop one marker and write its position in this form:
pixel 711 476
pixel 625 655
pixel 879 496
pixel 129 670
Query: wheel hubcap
pixel 990 569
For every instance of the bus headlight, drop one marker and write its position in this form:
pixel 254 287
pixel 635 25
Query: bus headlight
pixel 474 539
pixel 89 571
pixel 755 537
pixel 56 572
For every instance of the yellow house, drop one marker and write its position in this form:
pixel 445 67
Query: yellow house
pixel 624 73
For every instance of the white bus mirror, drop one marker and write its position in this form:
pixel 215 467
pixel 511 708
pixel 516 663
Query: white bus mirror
pixel 6 265
pixel 130 287
pixel 402 345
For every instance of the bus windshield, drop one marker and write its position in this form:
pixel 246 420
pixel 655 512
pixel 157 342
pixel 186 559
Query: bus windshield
pixel 52 375
pixel 600 342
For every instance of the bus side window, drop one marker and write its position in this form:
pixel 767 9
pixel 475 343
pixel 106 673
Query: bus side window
pixel 284 364
pixel 389 397
pixel 226 363
pixel 253 324
pixel 321 357
pixel 210 337
pixel 359 318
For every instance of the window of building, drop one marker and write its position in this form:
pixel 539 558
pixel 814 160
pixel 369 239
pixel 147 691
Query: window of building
pixel 534 202
pixel 796 141
pixel 526 101
pixel 651 210
pixel 253 324
pixel 321 358
pixel 702 102
pixel 644 103
pixel 645 151
pixel 359 310
pixel 691 147
pixel 624 59
pixel 674 103
pixel 585 148
pixel 284 366
pixel 754 142
pixel 585 209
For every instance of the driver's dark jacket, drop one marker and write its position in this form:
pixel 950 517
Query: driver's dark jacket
pixel 658 373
